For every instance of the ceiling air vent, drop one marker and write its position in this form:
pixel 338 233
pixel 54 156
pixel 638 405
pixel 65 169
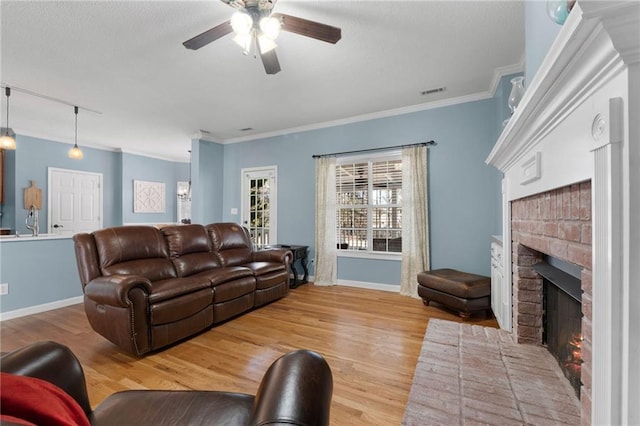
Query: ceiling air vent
pixel 432 91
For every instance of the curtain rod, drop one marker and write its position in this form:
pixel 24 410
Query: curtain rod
pixel 428 143
pixel 49 98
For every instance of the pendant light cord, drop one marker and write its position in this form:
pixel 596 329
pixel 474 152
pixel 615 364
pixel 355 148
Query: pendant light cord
pixel 76 139
pixel 7 91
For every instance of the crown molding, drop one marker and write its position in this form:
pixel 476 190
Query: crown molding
pixel 204 137
pixel 490 93
pixel 500 72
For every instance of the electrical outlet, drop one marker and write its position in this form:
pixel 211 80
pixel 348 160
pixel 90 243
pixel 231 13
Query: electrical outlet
pixel 4 288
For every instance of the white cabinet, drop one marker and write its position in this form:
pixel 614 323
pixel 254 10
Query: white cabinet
pixel 500 309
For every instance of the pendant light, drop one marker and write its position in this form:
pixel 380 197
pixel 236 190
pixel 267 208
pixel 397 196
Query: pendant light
pixel 75 152
pixel 7 141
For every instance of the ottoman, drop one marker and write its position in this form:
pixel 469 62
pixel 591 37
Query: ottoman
pixel 463 292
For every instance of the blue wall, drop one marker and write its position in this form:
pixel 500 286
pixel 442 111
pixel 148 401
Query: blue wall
pixel 34 156
pixel 38 272
pixel 464 192
pixel 136 167
pixel 207 181
pixel 540 32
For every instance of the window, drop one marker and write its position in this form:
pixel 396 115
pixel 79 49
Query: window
pixel 369 204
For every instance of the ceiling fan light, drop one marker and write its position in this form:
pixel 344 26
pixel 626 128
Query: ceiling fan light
pixel 7 142
pixel 241 22
pixel 270 27
pixel 266 44
pixel 244 41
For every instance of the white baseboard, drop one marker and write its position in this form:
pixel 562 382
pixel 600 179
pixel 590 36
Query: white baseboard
pixel 365 284
pixel 39 308
pixel 371 286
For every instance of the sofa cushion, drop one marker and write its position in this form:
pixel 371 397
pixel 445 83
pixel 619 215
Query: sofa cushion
pixel 134 250
pixel 152 269
pixel 224 274
pixel 176 287
pixel 234 289
pixel 174 407
pixel 177 308
pixel 272 279
pixel 231 242
pixel 190 249
pixel 263 268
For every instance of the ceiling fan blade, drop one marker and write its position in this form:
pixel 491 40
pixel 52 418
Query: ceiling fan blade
pixel 208 36
pixel 270 62
pixel 238 4
pixel 308 28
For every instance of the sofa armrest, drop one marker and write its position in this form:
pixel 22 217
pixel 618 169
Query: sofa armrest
pixel 278 255
pixel 296 390
pixel 52 362
pixel 113 290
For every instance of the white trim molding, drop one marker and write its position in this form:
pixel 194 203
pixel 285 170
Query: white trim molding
pixel 394 288
pixel 581 111
pixel 31 310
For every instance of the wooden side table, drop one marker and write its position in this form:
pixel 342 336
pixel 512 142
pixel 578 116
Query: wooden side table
pixel 300 254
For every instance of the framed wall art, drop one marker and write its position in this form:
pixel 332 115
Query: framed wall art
pixel 148 197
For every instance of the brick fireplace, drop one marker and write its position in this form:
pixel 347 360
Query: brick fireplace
pixel 556 223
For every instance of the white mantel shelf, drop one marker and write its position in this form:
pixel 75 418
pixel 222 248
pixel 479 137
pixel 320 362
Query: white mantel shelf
pixel 579 120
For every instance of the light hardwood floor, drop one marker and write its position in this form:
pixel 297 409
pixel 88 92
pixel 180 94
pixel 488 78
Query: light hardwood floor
pixel 371 339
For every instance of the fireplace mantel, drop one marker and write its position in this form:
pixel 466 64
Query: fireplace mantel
pixel 578 121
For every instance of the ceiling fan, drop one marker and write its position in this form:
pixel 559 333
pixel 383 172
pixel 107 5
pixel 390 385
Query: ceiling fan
pixel 257 27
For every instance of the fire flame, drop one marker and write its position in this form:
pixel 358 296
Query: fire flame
pixel 574 363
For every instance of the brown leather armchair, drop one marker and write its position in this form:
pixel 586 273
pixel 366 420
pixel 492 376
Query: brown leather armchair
pixel 296 390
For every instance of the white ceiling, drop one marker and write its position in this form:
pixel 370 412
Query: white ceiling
pixel 125 60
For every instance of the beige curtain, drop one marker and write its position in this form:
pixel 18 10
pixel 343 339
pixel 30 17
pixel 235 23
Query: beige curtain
pixel 415 221
pixel 325 249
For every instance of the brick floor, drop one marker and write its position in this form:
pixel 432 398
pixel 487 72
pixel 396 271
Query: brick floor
pixel 473 375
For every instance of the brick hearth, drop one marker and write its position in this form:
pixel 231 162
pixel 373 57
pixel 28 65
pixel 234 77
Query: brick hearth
pixel 556 223
pixel 471 375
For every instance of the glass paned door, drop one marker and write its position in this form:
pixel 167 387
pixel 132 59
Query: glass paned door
pixel 259 204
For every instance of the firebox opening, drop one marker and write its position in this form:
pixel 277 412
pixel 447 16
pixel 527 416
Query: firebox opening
pixel 562 319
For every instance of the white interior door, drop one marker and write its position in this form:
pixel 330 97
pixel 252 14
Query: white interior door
pixel 75 201
pixel 259 204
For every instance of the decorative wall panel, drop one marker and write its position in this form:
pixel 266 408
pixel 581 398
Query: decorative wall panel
pixel 148 197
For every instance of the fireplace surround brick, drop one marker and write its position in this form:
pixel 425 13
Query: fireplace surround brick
pixel 556 223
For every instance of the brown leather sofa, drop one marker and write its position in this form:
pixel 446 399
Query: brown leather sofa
pixel 147 287
pixel 296 390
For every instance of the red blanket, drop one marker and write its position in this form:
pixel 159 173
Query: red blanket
pixel 25 400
